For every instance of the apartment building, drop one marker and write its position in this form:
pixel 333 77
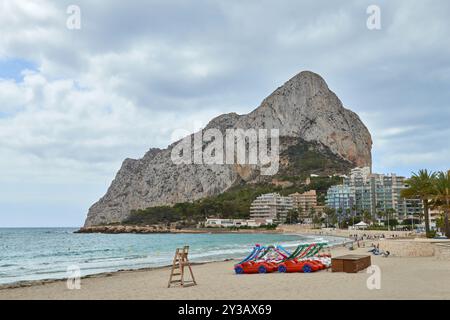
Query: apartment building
pixel 374 193
pixel 339 197
pixel 304 201
pixel 271 206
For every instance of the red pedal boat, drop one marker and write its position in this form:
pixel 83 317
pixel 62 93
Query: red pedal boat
pixel 255 267
pixel 305 266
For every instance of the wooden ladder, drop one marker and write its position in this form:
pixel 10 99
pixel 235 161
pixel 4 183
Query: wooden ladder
pixel 180 261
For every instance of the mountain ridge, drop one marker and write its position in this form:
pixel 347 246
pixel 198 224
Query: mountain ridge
pixel 304 109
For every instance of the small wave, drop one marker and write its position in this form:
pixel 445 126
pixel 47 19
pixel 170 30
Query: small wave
pixel 135 257
pixel 70 252
pixel 107 259
pixel 49 272
pixel 51 258
pixel 8 265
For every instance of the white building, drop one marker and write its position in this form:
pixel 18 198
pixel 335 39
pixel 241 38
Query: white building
pixel 435 214
pixel 271 206
pixel 227 223
pixel 360 172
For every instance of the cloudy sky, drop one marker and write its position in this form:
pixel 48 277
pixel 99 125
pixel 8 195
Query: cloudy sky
pixel 75 103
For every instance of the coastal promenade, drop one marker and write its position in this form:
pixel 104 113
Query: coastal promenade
pixel 398 243
pixel 305 229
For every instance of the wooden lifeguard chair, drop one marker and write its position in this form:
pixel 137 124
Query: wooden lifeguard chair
pixel 179 262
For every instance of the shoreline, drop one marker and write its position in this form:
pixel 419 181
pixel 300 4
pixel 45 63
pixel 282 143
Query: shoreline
pixel 122 229
pixel 217 280
pixel 39 282
pixel 42 282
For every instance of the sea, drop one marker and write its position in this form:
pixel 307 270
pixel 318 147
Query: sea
pixel 52 253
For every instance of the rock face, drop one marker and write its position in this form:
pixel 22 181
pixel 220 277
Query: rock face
pixel 304 109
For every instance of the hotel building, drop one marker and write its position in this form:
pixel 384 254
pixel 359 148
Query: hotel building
pixel 304 201
pixel 271 206
pixel 339 197
pixel 364 191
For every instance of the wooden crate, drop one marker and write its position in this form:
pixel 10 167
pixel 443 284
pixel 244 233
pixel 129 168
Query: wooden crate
pixel 351 263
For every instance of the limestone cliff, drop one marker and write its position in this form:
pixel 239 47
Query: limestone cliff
pixel 305 111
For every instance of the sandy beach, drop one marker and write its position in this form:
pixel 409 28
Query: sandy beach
pixel 401 278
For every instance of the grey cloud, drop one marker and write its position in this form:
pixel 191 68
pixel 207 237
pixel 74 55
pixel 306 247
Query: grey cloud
pixel 140 70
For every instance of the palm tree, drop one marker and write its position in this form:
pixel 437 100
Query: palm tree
pixel 440 223
pixel 339 215
pixel 390 214
pixel 367 217
pixel 353 214
pixel 300 214
pixel 279 216
pixel 334 218
pixel 316 220
pixel 421 186
pixel 347 214
pixel 329 212
pixel 442 197
pixel 381 214
pixel 292 215
pixel 312 213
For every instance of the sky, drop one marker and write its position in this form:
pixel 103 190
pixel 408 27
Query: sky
pixel 74 103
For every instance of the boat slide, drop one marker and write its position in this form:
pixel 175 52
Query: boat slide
pixel 304 258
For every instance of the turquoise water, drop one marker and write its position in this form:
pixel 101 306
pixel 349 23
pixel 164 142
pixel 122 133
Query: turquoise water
pixel 36 254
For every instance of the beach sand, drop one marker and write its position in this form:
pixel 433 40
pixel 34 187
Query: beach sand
pixel 401 278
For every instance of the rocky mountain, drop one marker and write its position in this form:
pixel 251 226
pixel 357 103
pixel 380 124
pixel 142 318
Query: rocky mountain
pixel 307 113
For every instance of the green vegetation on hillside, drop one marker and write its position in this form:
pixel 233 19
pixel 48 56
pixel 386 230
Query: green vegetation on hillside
pixel 307 158
pixel 304 158
pixel 234 203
